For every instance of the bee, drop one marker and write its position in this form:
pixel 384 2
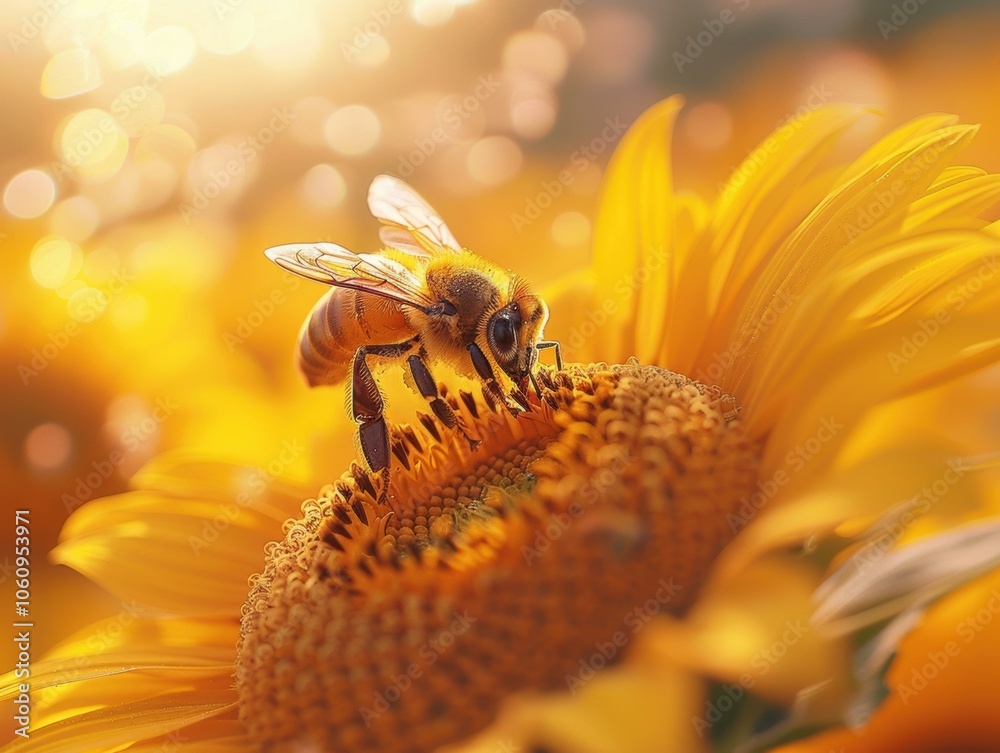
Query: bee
pixel 423 297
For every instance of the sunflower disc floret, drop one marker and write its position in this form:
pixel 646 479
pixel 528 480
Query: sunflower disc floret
pixel 400 624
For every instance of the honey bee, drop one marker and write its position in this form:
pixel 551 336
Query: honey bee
pixel 425 297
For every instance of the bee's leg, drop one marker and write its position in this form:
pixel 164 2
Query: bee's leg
pixel 551 344
pixel 485 371
pixel 367 407
pixel 534 383
pixel 429 389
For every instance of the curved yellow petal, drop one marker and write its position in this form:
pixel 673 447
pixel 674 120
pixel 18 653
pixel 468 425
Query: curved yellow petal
pixel 216 735
pixel 754 637
pixel 820 361
pixel 634 234
pixel 802 506
pixel 762 202
pixel 900 138
pixel 163 652
pixel 183 474
pixel 640 707
pixel 110 728
pixel 578 319
pixel 955 202
pixel 875 197
pixel 182 556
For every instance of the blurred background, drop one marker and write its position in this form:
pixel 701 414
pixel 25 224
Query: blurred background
pixel 151 149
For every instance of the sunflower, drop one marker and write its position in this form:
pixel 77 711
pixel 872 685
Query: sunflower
pixel 751 378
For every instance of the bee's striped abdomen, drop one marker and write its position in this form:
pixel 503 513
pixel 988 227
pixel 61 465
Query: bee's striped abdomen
pixel 342 321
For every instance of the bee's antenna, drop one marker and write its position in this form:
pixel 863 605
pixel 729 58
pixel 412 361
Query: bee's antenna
pixel 541 345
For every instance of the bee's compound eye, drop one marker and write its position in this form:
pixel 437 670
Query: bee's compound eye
pixel 503 334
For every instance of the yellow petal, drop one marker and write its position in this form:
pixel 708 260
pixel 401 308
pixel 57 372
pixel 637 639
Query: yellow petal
pixel 804 507
pixel 88 668
pixel 815 245
pixel 107 729
pixel 638 707
pixel 634 232
pixel 578 321
pixel 937 700
pixel 183 556
pixel 210 736
pixel 746 632
pixel 956 202
pixel 821 362
pixel 900 138
pixel 182 474
pixel 762 203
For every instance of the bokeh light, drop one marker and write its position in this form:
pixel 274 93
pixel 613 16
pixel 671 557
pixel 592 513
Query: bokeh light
pixel 494 160
pixel 55 261
pixel 432 12
pixel 537 53
pixel 69 73
pixel 29 194
pixel 708 125
pixel 168 49
pixel 92 145
pixel 571 229
pixel 76 219
pixel 48 446
pixel 352 130
pixel 288 37
pixel 323 187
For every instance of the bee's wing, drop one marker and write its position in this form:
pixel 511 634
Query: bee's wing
pixel 410 224
pixel 369 273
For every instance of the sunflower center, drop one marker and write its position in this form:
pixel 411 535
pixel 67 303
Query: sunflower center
pixel 398 622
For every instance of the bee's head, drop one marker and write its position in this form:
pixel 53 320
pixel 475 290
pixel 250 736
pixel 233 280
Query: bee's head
pixel 512 333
